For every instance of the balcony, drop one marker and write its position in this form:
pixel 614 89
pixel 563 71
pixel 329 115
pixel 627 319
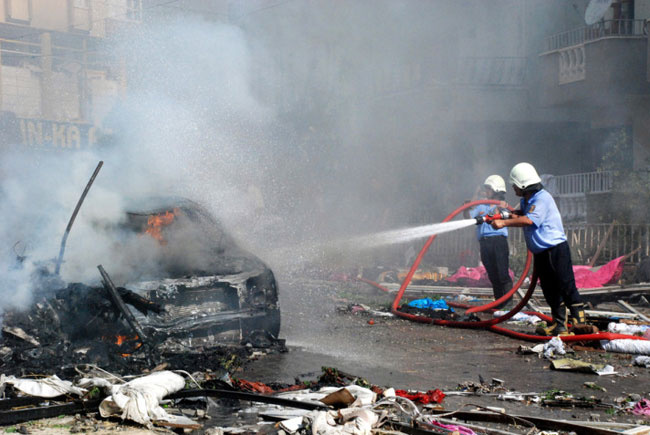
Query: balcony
pixel 599 64
pixel 574 192
pixel 601 30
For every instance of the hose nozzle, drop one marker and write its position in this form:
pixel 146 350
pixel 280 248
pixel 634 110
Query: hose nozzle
pixel 494 215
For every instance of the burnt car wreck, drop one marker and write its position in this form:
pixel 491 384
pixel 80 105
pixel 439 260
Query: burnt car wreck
pixel 195 299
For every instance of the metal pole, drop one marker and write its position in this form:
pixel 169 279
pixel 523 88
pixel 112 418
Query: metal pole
pixel 108 284
pixel 73 217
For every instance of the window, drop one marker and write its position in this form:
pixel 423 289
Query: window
pixel 134 10
pixel 18 11
pixel 79 15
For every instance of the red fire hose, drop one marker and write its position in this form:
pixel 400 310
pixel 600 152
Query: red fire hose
pixel 425 248
pixel 489 324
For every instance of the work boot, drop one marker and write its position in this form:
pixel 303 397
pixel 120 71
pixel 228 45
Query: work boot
pixel 577 314
pixel 557 326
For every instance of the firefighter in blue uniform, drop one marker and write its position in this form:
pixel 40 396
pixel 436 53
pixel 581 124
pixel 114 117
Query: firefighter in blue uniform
pixel 545 238
pixel 494 242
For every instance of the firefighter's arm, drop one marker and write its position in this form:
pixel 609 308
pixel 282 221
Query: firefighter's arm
pixel 515 221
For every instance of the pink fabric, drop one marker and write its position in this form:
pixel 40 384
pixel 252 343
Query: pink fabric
pixel 609 273
pixel 473 276
pixel 586 277
pixel 642 407
pixel 453 428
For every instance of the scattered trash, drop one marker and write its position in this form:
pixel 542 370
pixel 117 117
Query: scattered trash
pixel 430 304
pixel 554 347
pixel 465 298
pixel 642 407
pixel 364 310
pixel 453 428
pixel 519 318
pixel 594 386
pixel 431 396
pixel 643 361
pixel 575 365
pixel 607 370
pixel 339 399
pixel 517 397
pixel 48 387
pixel 527 350
pixel 561 398
pixel 482 387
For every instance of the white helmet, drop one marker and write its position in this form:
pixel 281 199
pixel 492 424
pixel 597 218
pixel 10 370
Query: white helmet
pixel 523 175
pixel 496 183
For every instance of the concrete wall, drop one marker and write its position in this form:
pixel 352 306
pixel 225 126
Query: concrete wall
pixel 642 9
pixel 614 69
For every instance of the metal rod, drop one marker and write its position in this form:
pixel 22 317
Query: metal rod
pixel 108 284
pixel 22 415
pixel 251 397
pixel 74 216
pixel 631 309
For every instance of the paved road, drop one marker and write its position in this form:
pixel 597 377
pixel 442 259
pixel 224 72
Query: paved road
pixel 407 355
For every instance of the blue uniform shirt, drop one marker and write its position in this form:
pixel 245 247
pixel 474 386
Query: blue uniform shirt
pixel 547 230
pixel 485 229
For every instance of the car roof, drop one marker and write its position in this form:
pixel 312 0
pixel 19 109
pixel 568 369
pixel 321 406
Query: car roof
pixel 157 204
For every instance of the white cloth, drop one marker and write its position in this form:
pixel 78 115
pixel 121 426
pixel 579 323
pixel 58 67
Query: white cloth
pixel 627 345
pixel 624 328
pixel 139 399
pixel 519 317
pixel 48 387
pixel 554 347
pixel 643 361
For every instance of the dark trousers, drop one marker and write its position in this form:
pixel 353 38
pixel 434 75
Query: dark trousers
pixel 555 271
pixel 495 258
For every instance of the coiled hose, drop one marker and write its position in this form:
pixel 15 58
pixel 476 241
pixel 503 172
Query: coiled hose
pixel 490 324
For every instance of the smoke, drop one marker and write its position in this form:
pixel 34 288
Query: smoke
pixel 294 124
pixel 189 127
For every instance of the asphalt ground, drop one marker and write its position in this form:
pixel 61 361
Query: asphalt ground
pixel 392 352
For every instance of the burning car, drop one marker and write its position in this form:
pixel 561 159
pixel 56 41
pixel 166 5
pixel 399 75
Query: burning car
pixel 215 292
pixel 189 288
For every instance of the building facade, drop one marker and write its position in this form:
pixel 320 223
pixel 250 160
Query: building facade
pixel 55 88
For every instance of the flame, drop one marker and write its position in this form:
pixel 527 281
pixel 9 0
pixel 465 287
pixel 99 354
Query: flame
pixel 137 346
pixel 156 223
pixel 119 340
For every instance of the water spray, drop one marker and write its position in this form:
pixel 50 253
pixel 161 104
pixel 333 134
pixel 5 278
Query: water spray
pixel 408 234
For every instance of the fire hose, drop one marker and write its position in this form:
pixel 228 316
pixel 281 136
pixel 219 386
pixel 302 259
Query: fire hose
pixel 490 324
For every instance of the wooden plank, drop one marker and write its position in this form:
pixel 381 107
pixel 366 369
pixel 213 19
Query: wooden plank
pixel 602 244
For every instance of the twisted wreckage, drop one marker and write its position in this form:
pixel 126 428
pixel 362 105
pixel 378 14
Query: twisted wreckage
pixel 191 296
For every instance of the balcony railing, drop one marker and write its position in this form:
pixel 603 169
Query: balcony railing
pixel 588 182
pixel 602 29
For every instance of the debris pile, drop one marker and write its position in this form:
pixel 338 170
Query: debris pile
pixel 182 401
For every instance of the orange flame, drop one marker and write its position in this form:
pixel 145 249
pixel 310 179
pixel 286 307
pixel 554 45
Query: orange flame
pixel 156 223
pixel 119 340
